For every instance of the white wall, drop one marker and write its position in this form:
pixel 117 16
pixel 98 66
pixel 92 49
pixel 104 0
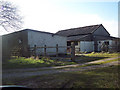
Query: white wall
pixel 41 39
pixel 87 46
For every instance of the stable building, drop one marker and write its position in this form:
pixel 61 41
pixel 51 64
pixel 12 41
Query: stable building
pixel 89 38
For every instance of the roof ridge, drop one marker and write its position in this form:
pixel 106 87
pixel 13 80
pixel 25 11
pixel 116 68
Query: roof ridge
pixel 80 27
pixel 96 29
pixel 79 30
pixel 38 31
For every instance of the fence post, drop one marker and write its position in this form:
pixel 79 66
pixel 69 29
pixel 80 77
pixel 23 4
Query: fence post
pixel 73 51
pixel 35 51
pixel 56 50
pixel 45 50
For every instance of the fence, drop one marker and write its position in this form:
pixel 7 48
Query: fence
pixel 70 50
pixel 110 48
pixel 114 49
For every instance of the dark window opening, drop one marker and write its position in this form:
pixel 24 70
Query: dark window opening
pixel 68 43
pixel 107 43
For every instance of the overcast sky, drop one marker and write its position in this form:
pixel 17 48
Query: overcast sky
pixel 55 15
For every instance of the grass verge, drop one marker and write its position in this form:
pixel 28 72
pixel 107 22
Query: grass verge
pixel 93 54
pixel 22 62
pixel 99 63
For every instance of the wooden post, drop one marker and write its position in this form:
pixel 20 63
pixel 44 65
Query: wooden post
pixel 73 51
pixel 95 46
pixel 35 51
pixel 56 50
pixel 45 50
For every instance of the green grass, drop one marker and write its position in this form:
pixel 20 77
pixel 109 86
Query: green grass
pixel 103 62
pixel 83 58
pixel 22 62
pixel 99 63
pixel 93 54
pixel 91 64
pixel 99 78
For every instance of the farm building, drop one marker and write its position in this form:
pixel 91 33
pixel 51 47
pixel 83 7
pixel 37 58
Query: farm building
pixel 30 38
pixel 90 38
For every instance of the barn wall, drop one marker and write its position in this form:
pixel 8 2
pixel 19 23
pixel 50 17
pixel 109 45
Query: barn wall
pixel 87 46
pixel 11 41
pixel 41 39
pixel 101 31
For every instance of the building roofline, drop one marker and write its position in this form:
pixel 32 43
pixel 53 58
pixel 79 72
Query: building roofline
pixel 37 31
pixel 79 27
pixel 42 32
pixel 98 27
pixel 33 31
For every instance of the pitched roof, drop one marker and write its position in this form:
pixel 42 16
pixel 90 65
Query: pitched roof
pixel 79 30
pixel 79 38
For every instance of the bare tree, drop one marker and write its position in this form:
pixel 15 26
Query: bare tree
pixel 9 17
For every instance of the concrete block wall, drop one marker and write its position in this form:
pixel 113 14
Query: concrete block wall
pixel 41 39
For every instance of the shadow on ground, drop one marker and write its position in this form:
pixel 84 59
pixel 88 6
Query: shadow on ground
pixel 99 78
pixel 79 58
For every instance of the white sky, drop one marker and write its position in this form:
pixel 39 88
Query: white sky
pixel 50 16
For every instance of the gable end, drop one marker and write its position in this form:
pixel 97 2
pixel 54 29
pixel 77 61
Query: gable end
pixel 101 31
